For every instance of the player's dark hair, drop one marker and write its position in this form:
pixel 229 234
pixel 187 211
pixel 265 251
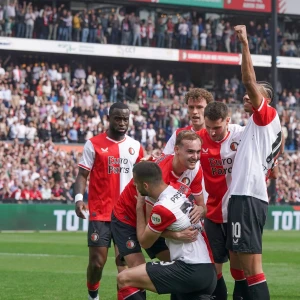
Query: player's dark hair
pixel 266 89
pixel 198 93
pixel 118 105
pixel 186 135
pixel 147 171
pixel 215 111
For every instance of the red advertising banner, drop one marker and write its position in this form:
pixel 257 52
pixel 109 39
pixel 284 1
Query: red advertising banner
pixel 209 57
pixel 250 5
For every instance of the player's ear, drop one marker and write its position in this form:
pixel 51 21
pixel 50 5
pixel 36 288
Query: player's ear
pixel 176 148
pixel 227 120
pixel 145 186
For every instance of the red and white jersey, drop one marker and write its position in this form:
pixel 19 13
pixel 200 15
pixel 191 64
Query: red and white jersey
pixel 217 160
pixel 110 164
pixel 125 208
pixel 169 148
pixel 171 212
pixel 257 152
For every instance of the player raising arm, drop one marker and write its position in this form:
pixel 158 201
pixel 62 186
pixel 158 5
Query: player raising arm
pixel 255 158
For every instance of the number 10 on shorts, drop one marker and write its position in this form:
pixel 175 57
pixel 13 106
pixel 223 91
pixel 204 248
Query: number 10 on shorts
pixel 236 231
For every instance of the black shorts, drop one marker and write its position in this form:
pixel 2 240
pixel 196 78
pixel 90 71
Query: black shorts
pixel 217 236
pixel 179 278
pixel 99 234
pixel 246 219
pixel 125 238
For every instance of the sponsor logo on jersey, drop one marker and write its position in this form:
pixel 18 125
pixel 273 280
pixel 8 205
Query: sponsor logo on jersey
pixel 131 151
pixel 156 219
pixel 205 151
pixel 130 244
pixel 94 237
pixel 104 149
pixel 118 165
pixel 234 146
pixel 185 181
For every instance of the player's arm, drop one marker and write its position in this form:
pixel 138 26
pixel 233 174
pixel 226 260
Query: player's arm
pixel 187 235
pixel 274 173
pixel 85 165
pixel 248 73
pixel 145 235
pixel 79 189
pixel 199 210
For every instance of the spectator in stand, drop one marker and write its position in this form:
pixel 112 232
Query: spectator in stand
pixel 126 31
pixel 29 21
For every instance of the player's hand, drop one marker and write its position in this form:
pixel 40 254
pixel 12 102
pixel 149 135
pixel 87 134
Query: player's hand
pixel 80 206
pixel 196 214
pixel 147 158
pixel 241 33
pixel 188 235
pixel 140 200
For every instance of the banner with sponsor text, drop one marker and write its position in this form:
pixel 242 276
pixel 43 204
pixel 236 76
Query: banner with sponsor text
pixel 146 53
pixel 201 3
pixel 55 217
pixel 288 7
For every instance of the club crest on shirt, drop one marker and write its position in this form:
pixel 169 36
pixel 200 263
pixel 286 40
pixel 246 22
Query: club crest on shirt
pixel 234 146
pixel 94 237
pixel 131 151
pixel 156 219
pixel 185 181
pixel 130 244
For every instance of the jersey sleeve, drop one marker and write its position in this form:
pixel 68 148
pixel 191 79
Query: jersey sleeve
pixel 88 156
pixel 160 219
pixel 264 115
pixel 196 185
pixel 169 148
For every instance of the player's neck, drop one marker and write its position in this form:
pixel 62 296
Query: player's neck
pixel 155 192
pixel 115 136
pixel 177 167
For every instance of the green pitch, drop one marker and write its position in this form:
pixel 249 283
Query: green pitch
pixel 52 266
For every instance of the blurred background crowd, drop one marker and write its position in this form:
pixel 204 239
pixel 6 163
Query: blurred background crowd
pixel 143 26
pixel 48 103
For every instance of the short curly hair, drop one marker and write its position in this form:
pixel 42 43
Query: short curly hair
pixel 197 93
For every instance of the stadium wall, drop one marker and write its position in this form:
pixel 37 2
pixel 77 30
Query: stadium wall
pixel 55 217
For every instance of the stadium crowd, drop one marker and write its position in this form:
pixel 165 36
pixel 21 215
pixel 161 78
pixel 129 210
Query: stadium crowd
pixel 187 31
pixel 41 105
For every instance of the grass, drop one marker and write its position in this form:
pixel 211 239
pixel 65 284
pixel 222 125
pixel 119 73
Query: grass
pixel 52 266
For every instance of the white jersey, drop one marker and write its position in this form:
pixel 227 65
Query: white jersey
pixel 257 152
pixel 169 148
pixel 171 212
pixel 217 159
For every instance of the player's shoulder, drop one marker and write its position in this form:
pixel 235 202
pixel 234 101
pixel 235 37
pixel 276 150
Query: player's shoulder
pixel 164 159
pixel 190 127
pixel 132 141
pixel 235 129
pixel 202 132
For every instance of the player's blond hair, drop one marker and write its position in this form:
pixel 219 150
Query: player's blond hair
pixel 186 135
pixel 198 93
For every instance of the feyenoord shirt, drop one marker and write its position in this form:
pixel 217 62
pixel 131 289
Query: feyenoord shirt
pixel 217 159
pixel 125 208
pixel 257 152
pixel 171 212
pixel 169 148
pixel 110 164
